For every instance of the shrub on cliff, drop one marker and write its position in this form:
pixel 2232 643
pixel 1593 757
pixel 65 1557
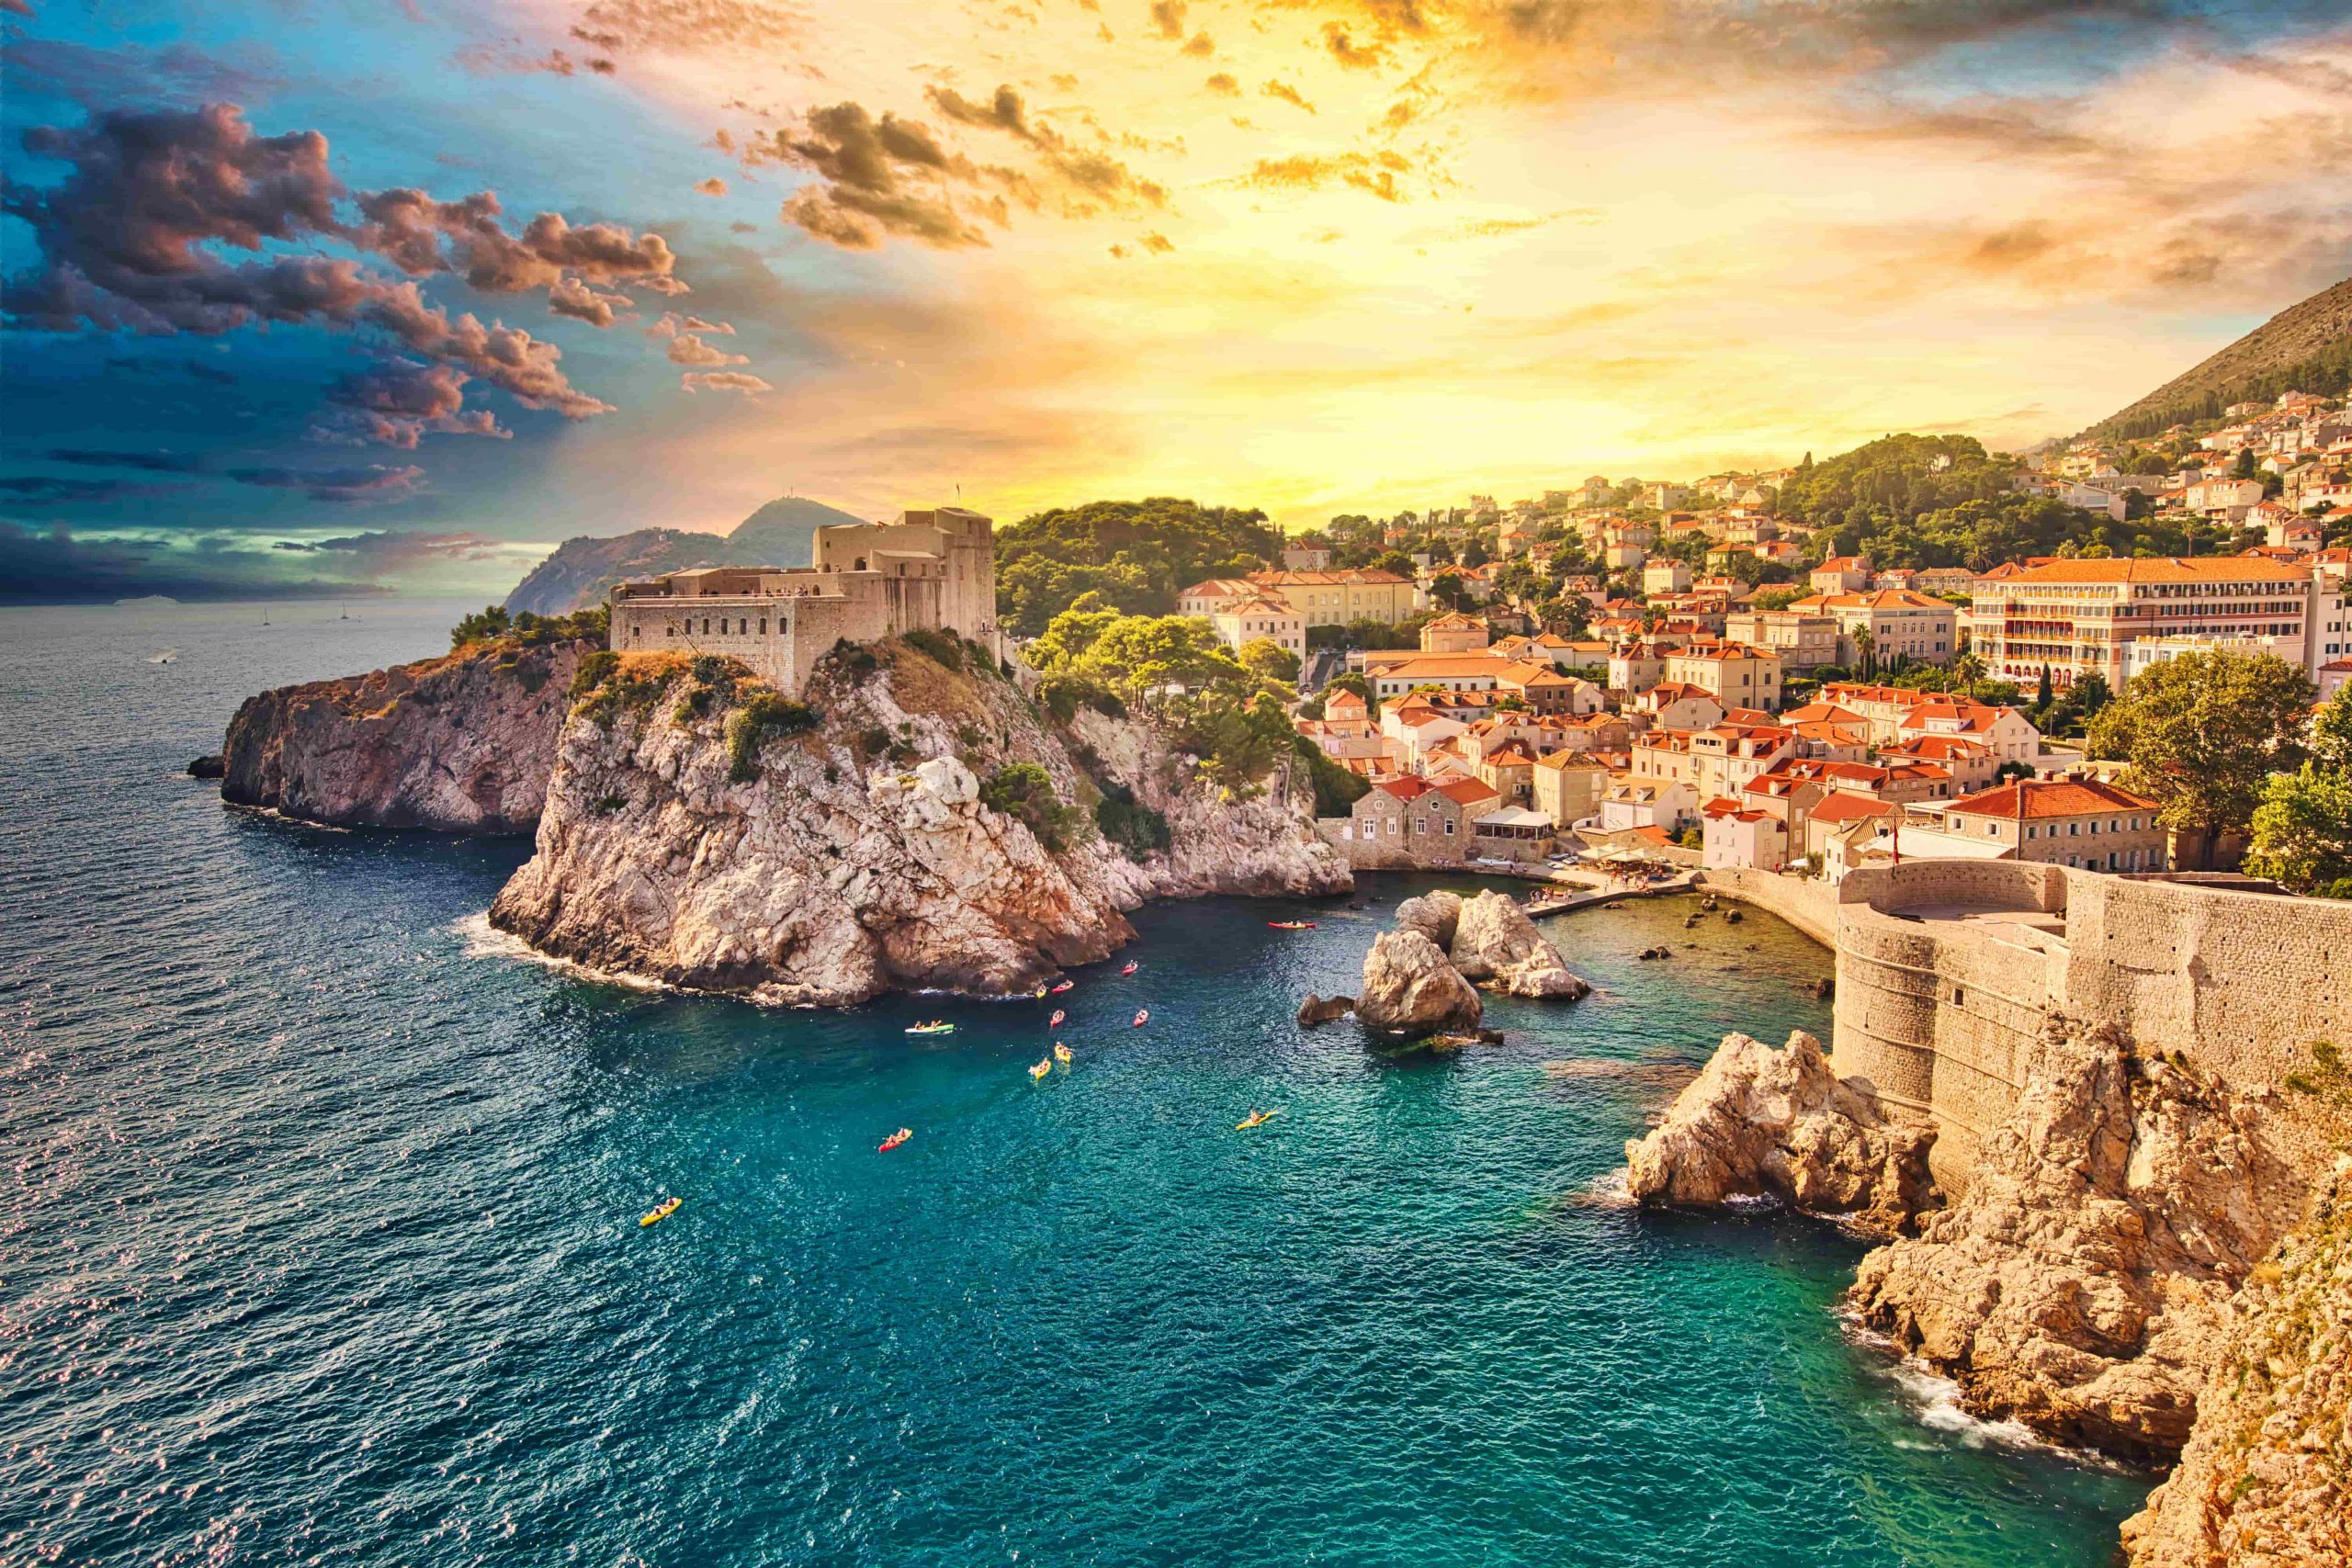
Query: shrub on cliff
pixel 594 669
pixel 1128 823
pixel 1063 695
pixel 1026 791
pixel 764 716
pixel 1336 788
pixel 493 624
pixel 942 647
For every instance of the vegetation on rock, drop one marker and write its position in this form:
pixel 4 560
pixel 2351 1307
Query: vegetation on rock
pixel 1136 553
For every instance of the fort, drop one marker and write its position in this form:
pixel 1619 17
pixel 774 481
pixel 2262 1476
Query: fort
pixel 1949 970
pixel 932 570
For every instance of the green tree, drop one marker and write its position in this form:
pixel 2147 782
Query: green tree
pixel 1137 554
pixel 1265 657
pixel 1068 637
pixel 2303 829
pixel 1142 654
pixel 1776 598
pixel 2203 733
pixel 1396 561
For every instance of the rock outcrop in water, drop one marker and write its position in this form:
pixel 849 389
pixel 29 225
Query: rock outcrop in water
pixel 1409 989
pixel 2267 1477
pixel 1758 1122
pixel 922 826
pixel 2081 1285
pixel 459 744
pixel 1494 941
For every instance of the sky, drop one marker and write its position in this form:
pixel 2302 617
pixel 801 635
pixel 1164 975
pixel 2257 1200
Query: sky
pixel 321 297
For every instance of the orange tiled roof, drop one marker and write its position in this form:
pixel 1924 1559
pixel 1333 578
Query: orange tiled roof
pixel 2033 798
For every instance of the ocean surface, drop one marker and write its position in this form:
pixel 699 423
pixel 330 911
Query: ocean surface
pixel 320 1240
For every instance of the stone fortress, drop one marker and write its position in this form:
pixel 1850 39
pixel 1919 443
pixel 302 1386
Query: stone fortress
pixel 1949 970
pixel 932 570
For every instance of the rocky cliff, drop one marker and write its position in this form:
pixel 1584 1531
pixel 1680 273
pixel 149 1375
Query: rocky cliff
pixel 2267 1478
pixel 919 824
pixel 463 743
pixel 1758 1122
pixel 2130 1270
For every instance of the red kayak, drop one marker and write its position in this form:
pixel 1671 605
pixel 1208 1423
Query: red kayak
pixel 894 1140
pixel 1130 969
pixel 1292 925
pixel 1143 1016
pixel 1056 1022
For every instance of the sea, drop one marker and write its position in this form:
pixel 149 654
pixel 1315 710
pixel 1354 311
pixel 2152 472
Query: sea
pixel 321 1239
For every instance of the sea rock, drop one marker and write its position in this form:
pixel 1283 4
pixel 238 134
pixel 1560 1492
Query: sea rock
pixel 1435 915
pixel 459 744
pixel 2082 1284
pixel 1494 940
pixel 828 876
pixel 1409 989
pixel 212 767
pixel 1318 1010
pixel 1760 1123
pixel 2267 1476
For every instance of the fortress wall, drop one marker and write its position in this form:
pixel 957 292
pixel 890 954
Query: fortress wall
pixel 1810 905
pixel 2242 983
pixel 1939 1017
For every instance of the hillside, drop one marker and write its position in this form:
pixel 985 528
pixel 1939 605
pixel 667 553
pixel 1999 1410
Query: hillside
pixel 1137 554
pixel 581 571
pixel 2307 347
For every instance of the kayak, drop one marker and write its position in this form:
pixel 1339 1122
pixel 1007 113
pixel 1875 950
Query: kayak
pixel 1056 1022
pixel 1064 986
pixel 1061 1054
pixel 1041 1070
pixel 1131 968
pixel 668 1208
pixel 1039 992
pixel 1256 1119
pixel 894 1140
pixel 1143 1016
pixel 1292 925
pixel 933 1028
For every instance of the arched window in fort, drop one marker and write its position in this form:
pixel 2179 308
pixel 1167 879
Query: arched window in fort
pixel 763 626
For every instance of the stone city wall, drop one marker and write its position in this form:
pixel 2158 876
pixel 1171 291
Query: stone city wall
pixel 1938 1016
pixel 1807 903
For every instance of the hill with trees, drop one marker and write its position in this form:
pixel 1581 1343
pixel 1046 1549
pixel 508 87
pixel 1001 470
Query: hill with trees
pixel 2306 348
pixel 1137 555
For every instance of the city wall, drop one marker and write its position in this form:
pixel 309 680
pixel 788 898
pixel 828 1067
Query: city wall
pixel 1940 1015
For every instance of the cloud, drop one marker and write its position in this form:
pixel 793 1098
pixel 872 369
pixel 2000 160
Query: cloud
pixel 883 176
pixel 149 462
pixel 1287 94
pixel 1200 45
pixel 1223 85
pixel 1004 112
pixel 723 381
pixel 42 489
pixel 1372 172
pixel 1167 19
pixel 130 240
pixel 687 349
pixel 387 550
pixel 1157 244
pixel 685 25
pixel 711 186
pixel 570 297
pixel 1352 55
pixel 401 401
pixel 373 483
pixel 52 565
pixel 672 324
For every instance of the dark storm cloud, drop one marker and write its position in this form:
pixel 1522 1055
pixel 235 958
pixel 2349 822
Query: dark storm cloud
pixel 399 402
pixel 42 489
pixel 373 483
pixel 150 462
pixel 130 240
pixel 387 550
pixel 51 565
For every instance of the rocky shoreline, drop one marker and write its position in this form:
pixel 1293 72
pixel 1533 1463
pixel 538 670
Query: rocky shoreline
pixel 918 824
pixel 2129 1241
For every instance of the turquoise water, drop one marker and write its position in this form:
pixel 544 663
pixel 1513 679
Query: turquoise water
pixel 320 1241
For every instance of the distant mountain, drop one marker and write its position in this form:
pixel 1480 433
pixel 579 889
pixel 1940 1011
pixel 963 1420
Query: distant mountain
pixel 581 571
pixel 2307 347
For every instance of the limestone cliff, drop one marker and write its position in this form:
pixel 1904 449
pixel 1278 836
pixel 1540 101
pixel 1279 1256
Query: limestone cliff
pixel 2265 1481
pixel 1759 1122
pixel 2082 1284
pixel 919 825
pixel 463 743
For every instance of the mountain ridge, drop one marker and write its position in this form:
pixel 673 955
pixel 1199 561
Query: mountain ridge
pixel 581 571
pixel 2305 347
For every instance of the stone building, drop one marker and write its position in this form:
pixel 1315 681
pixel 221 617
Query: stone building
pixel 932 570
pixel 2067 821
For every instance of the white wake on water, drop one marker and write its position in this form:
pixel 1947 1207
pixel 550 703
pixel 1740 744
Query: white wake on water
pixel 483 940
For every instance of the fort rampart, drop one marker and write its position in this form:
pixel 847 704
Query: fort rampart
pixel 1949 970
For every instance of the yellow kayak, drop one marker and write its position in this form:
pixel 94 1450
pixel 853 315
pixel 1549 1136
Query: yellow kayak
pixel 1041 1070
pixel 663 1212
pixel 1256 1119
pixel 1061 1054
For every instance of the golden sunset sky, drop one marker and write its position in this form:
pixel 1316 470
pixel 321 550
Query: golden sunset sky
pixel 1314 255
